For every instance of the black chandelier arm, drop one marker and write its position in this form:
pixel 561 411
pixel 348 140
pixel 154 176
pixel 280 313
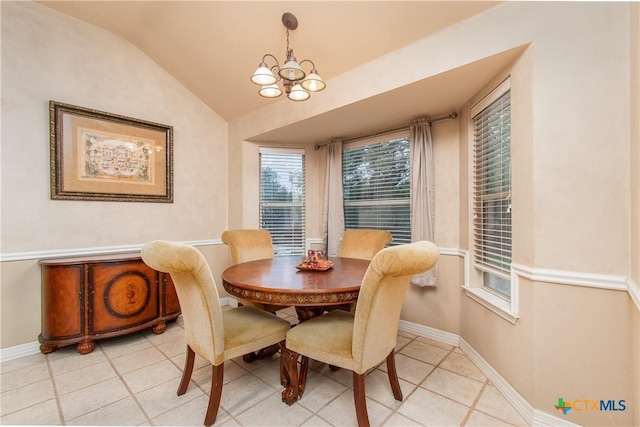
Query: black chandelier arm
pixel 264 60
pixel 313 66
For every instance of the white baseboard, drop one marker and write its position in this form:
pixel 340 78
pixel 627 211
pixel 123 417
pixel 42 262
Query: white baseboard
pixel 431 333
pixel 22 350
pixel 18 351
pixel 533 417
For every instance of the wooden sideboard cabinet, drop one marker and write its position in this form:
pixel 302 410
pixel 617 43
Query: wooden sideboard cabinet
pixel 90 298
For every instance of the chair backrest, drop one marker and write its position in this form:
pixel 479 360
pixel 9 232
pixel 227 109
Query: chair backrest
pixel 197 294
pixel 248 245
pixel 381 296
pixel 363 243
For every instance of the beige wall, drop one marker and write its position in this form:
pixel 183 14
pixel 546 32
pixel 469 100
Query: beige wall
pixel 570 216
pixel 49 56
pixel 572 211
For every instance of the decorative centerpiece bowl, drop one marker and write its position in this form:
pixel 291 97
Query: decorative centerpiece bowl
pixel 315 261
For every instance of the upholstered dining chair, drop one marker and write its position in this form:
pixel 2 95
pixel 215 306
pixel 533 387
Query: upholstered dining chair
pixel 361 341
pixel 250 245
pixel 211 333
pixel 363 243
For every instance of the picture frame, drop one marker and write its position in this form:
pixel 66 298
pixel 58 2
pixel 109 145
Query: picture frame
pixel 100 156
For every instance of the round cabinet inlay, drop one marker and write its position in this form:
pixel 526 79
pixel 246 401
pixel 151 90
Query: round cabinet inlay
pixel 127 294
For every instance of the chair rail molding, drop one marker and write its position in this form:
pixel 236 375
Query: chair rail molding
pixel 81 252
pixel 562 277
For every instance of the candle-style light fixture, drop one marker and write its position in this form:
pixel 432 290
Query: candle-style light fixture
pixel 297 84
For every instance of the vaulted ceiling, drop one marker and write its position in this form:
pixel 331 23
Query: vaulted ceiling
pixel 213 47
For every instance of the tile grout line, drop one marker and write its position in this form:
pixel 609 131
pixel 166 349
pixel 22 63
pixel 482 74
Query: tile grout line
pixel 166 356
pixel 419 385
pixel 55 391
pixel 405 398
pixel 475 402
pixel 124 383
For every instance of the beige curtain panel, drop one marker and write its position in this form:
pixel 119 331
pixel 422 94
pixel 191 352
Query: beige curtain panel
pixel 333 218
pixel 422 192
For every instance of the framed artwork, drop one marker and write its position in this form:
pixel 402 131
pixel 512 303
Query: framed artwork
pixel 106 157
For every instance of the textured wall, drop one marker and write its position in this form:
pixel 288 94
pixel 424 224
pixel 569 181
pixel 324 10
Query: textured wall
pixel 50 56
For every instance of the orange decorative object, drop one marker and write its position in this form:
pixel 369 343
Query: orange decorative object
pixel 320 264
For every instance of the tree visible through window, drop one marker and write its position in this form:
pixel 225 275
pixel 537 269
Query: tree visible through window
pixel 376 180
pixel 282 199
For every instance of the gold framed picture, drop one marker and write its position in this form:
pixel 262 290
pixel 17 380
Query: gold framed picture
pixel 106 157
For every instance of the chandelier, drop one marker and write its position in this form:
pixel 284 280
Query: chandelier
pixel 297 84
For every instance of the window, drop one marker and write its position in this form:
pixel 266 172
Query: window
pixel 376 186
pixel 492 190
pixel 282 199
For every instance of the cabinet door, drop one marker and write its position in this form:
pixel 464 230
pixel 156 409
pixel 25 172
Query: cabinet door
pixel 171 305
pixel 63 315
pixel 122 295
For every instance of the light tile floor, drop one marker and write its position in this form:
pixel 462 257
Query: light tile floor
pixel 133 380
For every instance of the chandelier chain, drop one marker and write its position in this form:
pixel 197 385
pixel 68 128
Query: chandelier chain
pixel 288 50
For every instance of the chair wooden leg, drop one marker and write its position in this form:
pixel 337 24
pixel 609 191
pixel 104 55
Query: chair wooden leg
pixel 186 373
pixel 217 377
pixel 360 400
pixel 393 376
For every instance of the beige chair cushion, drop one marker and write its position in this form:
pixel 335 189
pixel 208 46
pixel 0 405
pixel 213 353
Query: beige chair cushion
pixel 211 333
pixel 328 338
pixel 248 329
pixel 362 340
pixel 363 243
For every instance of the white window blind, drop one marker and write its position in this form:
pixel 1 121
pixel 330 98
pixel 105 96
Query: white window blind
pixel 282 199
pixel 492 193
pixel 376 188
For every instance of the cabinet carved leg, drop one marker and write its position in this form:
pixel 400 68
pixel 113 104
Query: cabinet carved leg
pixel 46 349
pixel 159 328
pixel 85 347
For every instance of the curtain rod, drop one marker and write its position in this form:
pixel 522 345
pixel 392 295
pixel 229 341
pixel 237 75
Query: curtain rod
pixel 450 116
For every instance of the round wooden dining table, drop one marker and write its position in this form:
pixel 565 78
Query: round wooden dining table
pixel 277 281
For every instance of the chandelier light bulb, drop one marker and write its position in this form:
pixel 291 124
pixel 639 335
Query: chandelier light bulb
pixel 292 71
pixel 298 93
pixel 313 82
pixel 270 91
pixel 263 76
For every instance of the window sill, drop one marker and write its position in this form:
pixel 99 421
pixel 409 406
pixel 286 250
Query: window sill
pixel 493 302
